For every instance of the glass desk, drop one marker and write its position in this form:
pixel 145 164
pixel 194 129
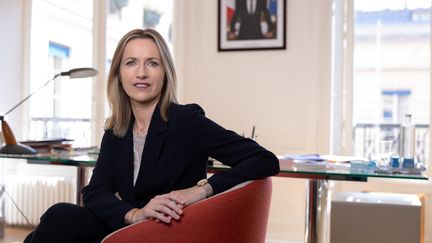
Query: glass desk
pixel 317 176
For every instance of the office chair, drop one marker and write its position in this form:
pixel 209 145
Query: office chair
pixel 237 215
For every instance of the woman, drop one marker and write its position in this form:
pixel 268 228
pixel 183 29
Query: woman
pixel 153 156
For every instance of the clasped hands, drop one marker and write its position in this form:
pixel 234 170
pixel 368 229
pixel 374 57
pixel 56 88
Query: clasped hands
pixel 166 207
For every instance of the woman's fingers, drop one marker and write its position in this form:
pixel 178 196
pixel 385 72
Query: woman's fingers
pixel 171 202
pixel 176 207
pixel 171 212
pixel 173 197
pixel 189 195
pixel 162 217
pixel 163 209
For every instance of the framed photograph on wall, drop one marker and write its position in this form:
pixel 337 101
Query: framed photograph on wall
pixel 251 25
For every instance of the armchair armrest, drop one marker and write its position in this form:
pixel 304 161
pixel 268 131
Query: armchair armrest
pixel 237 215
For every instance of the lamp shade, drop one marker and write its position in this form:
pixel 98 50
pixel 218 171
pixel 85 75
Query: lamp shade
pixel 80 73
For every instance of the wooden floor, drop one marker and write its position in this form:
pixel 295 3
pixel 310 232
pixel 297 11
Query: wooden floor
pixel 15 234
pixel 18 234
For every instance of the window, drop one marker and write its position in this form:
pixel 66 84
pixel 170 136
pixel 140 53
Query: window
pixel 61 39
pixel 390 72
pixel 62 33
pixel 125 15
pixel 395 105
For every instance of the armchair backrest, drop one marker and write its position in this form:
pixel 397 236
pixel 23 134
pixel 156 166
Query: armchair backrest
pixel 237 215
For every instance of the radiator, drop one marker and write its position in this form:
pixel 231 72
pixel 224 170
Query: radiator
pixel 34 195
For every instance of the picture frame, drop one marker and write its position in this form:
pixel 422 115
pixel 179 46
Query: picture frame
pixel 245 25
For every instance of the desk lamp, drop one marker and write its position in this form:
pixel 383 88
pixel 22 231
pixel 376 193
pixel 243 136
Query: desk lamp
pixel 11 146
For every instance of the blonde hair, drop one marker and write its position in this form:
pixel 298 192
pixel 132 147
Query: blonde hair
pixel 119 101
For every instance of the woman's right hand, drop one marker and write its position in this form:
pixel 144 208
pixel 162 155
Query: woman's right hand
pixel 162 208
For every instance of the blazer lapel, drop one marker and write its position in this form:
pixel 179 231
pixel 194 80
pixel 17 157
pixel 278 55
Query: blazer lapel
pixel 152 149
pixel 127 161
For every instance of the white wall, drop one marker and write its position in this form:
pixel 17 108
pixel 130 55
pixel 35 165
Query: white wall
pixel 285 93
pixel 11 61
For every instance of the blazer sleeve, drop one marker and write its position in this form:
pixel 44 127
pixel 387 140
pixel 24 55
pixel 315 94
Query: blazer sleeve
pixel 99 195
pixel 247 158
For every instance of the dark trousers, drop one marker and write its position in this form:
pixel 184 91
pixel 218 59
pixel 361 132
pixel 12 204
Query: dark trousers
pixel 65 222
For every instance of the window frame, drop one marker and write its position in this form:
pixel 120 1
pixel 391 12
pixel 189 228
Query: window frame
pixel 343 21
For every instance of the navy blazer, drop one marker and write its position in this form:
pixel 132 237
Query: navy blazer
pixel 175 157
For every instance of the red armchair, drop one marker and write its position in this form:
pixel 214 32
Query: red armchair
pixel 237 215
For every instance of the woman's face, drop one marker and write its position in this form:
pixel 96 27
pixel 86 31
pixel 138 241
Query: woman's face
pixel 141 71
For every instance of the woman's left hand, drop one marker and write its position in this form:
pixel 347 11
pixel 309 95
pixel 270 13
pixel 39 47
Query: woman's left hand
pixel 190 195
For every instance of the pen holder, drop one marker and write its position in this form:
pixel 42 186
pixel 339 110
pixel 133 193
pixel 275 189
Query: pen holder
pixel 408 163
pixel 395 162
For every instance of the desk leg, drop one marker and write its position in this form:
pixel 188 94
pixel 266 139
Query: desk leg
pixel 316 199
pixel 80 181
